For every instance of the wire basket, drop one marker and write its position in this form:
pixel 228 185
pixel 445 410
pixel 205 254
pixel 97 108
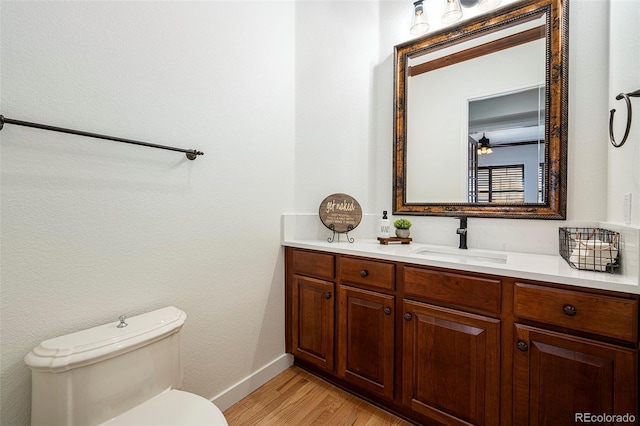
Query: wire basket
pixel 590 249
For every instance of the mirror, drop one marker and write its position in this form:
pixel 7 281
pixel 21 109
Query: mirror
pixel 481 126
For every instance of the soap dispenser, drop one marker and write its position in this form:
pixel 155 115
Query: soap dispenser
pixel 383 230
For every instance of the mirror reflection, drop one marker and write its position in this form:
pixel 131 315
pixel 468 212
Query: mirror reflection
pixel 481 117
pixel 506 155
pixel 490 87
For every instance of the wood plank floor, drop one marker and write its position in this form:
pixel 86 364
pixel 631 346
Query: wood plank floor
pixel 295 397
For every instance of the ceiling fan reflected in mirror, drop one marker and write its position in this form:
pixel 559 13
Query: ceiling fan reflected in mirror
pixel 484 146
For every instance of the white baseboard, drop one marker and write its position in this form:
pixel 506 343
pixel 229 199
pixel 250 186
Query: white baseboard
pixel 244 387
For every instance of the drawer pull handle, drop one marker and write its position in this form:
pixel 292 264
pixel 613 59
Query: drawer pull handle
pixel 327 295
pixel 408 316
pixel 522 346
pixel 364 273
pixel 387 311
pixel 569 310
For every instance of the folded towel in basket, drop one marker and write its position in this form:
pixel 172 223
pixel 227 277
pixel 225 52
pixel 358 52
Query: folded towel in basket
pixel 607 257
pixel 593 255
pixel 589 264
pixel 595 249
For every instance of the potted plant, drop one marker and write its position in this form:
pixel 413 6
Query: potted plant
pixel 402 227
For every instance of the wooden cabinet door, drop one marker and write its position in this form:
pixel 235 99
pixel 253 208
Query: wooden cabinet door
pixel 366 339
pixel 558 377
pixel 312 320
pixel 451 365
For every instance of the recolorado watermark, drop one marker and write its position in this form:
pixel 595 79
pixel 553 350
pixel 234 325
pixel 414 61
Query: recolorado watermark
pixel 603 418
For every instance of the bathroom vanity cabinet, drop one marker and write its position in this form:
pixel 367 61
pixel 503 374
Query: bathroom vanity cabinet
pixel 311 306
pixel 556 371
pixel 366 325
pixel 445 346
pixel 450 364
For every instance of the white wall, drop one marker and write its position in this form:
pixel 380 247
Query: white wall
pixel 624 77
pixel 94 229
pixel 336 59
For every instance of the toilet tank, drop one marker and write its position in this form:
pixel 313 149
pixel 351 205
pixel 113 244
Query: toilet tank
pixel 91 376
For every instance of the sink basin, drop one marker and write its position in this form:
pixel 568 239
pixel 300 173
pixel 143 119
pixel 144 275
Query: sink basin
pixel 460 255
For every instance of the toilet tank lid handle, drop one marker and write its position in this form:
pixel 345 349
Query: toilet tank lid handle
pixel 122 323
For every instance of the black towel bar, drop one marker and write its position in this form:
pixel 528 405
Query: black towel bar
pixel 192 154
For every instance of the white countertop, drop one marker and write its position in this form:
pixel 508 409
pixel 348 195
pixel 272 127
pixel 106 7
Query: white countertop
pixel 517 265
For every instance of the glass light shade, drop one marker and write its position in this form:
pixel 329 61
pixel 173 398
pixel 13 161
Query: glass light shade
pixel 419 24
pixel 452 11
pixel 488 4
pixel 484 147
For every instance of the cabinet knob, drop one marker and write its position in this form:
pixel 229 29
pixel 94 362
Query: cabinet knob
pixel 408 316
pixel 522 346
pixel 387 311
pixel 569 310
pixel 364 273
pixel 327 295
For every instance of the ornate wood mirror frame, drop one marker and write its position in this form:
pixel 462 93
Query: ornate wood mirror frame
pixel 555 32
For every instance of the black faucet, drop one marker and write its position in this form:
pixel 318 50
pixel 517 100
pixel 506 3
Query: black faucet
pixel 462 231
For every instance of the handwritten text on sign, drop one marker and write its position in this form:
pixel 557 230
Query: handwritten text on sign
pixel 340 212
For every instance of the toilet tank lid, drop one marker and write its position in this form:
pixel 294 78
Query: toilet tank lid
pixel 105 341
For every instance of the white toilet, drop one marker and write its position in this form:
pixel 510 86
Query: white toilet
pixel 125 373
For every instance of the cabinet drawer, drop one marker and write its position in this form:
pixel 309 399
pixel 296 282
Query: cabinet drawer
pixel 367 272
pixel 459 290
pixel 611 316
pixel 319 265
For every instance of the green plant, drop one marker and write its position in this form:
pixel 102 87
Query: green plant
pixel 402 223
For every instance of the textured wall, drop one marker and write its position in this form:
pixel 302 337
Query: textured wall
pixel 94 229
pixel 624 76
pixel 336 58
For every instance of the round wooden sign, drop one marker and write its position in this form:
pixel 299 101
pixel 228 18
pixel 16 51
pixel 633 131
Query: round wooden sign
pixel 340 212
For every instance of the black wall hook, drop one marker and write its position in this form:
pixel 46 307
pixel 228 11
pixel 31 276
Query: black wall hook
pixel 626 97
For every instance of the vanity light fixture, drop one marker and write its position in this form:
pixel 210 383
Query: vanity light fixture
pixel 484 147
pixel 452 11
pixel 419 24
pixel 485 5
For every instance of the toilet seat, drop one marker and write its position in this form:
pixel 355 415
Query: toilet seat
pixel 172 408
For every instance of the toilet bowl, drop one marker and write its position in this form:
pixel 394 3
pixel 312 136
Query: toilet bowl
pixel 170 408
pixel 122 373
